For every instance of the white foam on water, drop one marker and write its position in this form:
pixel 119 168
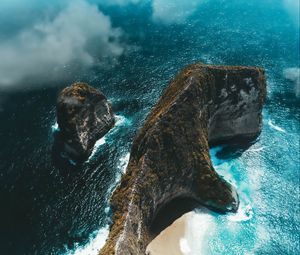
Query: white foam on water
pixel 200 225
pixel 258 168
pixel 55 127
pixel 276 127
pixel 224 170
pixel 107 209
pixel 257 149
pixel 121 168
pixel 244 213
pixel 98 238
pixel 120 121
pixel 96 242
pixel 262 238
pixel 246 179
pixel 97 145
pixel 123 162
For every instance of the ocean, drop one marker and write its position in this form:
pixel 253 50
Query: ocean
pixel 130 49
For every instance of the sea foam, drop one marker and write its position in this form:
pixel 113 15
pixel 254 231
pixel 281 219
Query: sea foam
pixel 200 224
pixel 96 242
pixel 123 162
pixel 120 122
pixel 276 127
pixel 55 127
pixel 244 213
pixel 97 145
pixel 97 238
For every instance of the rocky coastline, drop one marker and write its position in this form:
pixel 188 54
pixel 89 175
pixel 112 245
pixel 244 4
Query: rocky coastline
pixel 203 105
pixel 84 115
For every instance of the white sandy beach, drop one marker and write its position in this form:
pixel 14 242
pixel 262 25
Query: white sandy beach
pixel 186 236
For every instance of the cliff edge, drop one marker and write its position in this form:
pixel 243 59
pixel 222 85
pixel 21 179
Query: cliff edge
pixel 170 158
pixel 83 115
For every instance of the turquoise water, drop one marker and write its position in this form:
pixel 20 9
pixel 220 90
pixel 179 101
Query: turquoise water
pixel 267 184
pixel 131 49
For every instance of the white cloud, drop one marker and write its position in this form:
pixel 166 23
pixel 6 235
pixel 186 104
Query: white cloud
pixel 165 11
pixel 293 7
pixel 117 2
pixel 78 35
pixel 293 74
pixel 173 11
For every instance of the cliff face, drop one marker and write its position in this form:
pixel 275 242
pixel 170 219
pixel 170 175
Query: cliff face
pixel 170 155
pixel 83 115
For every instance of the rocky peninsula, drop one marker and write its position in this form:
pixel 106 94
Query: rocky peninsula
pixel 170 163
pixel 84 115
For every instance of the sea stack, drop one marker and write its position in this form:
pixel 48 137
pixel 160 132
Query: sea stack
pixel 83 115
pixel 170 158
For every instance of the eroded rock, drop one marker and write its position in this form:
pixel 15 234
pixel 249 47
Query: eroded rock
pixel 83 115
pixel 170 158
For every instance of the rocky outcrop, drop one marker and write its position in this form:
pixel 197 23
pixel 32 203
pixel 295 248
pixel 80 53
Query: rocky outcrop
pixel 83 115
pixel 170 156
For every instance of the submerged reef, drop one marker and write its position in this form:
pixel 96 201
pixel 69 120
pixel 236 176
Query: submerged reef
pixel 83 115
pixel 170 163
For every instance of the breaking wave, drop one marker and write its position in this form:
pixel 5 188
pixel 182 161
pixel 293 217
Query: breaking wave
pixel 96 242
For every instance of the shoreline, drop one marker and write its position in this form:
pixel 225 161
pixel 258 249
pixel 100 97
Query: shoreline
pixel 185 236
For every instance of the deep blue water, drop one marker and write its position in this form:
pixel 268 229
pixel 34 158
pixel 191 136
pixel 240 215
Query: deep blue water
pixel 46 210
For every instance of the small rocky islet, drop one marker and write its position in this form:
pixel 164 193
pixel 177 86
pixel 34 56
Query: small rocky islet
pixel 203 105
pixel 84 115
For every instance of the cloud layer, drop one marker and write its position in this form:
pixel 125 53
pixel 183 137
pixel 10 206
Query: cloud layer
pixel 46 40
pixel 79 35
pixel 293 8
pixel 293 74
pixel 165 11
pixel 173 11
pixel 118 2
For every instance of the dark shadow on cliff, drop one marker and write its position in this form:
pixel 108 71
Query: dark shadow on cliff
pixel 171 212
pixel 234 149
pixel 59 159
